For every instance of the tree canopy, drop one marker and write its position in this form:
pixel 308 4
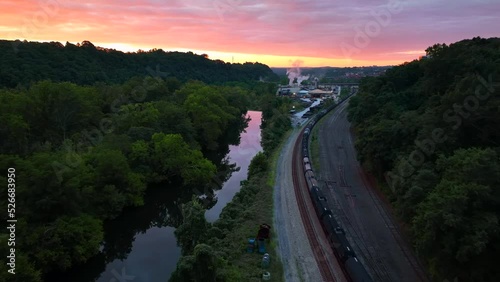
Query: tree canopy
pixel 430 128
pixel 24 62
pixel 89 129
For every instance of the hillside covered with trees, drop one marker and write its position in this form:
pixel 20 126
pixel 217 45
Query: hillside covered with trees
pixel 430 129
pixel 85 148
pixel 25 62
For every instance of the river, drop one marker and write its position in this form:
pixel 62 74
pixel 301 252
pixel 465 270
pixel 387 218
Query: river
pixel 140 244
pixel 241 155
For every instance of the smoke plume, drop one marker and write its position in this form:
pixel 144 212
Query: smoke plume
pixel 294 73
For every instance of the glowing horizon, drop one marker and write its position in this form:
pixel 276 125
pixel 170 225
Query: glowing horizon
pixel 276 33
pixel 285 61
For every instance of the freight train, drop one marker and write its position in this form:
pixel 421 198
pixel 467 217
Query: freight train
pixel 334 232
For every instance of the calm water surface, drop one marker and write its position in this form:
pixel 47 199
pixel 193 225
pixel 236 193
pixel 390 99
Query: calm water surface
pixel 153 252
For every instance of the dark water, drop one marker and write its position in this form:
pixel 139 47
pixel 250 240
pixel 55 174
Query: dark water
pixel 140 245
pixel 241 155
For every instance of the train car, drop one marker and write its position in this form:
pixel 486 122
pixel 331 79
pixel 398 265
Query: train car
pixel 305 151
pixel 309 178
pixel 305 142
pixel 316 192
pixel 329 225
pixel 308 129
pixel 305 147
pixel 307 167
pixel 341 245
pixel 336 237
pixel 312 184
pixel 322 209
pixel 356 270
pixel 309 175
pixel 320 203
pixel 323 205
pixel 335 234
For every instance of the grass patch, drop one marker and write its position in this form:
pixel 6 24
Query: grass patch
pixel 274 159
pixel 301 277
pixel 240 220
pixel 314 143
pixel 314 148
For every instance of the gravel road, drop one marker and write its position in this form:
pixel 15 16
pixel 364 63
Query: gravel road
pixel 294 250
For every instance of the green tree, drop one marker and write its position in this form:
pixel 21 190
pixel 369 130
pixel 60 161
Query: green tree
pixel 14 128
pixel 65 242
pixel 199 267
pixel 210 113
pixel 194 227
pixel 258 164
pixel 113 171
pixel 171 156
pixel 59 109
pixel 184 272
pixel 205 263
pixel 174 119
pixel 458 222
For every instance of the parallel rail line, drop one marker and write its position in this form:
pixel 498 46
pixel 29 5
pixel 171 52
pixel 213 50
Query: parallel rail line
pixel 307 216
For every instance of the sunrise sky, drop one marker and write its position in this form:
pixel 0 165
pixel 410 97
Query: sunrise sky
pixel 274 32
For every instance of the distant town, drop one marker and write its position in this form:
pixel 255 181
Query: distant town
pixel 330 74
pixel 323 82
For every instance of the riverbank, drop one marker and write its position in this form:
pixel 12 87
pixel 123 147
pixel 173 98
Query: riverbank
pixel 250 208
pixel 239 155
pixel 239 221
pixel 226 240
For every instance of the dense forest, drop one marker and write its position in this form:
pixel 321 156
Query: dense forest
pixel 24 62
pixel 430 129
pixel 85 147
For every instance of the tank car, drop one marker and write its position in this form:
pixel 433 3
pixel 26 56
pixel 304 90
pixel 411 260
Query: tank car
pixel 356 271
pixel 320 203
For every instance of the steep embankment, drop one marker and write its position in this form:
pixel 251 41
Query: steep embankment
pixel 430 128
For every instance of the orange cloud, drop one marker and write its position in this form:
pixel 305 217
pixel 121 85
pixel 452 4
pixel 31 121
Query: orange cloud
pixel 320 32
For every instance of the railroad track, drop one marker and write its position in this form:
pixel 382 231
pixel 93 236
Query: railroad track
pixel 359 239
pixel 415 264
pixel 367 245
pixel 307 215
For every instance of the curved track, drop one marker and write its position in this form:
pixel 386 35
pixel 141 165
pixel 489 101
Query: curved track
pixel 327 263
pixel 368 225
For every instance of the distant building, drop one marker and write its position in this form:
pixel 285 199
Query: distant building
pixel 318 93
pixel 303 93
pixel 284 92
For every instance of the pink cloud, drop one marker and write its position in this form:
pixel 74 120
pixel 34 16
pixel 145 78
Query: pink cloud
pixel 302 28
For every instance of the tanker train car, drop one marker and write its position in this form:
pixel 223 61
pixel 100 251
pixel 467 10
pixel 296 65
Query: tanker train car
pixel 334 232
